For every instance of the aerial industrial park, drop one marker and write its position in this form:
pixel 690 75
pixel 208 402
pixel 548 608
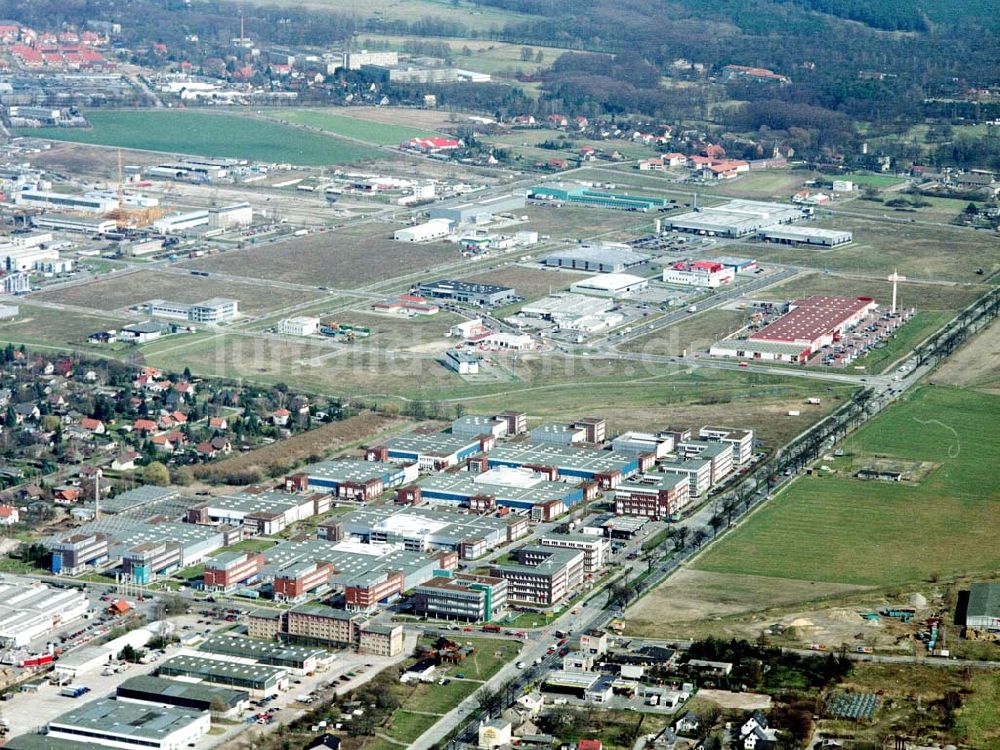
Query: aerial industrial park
pixel 498 376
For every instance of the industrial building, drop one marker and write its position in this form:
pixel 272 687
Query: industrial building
pixel 739 265
pixel 259 511
pixel 466 292
pixel 718 455
pixel 352 479
pixel 147 561
pixel 806 236
pixel 583 195
pixel 477 212
pixel 816 321
pixel 596 258
pixel 700 273
pixel 77 552
pixel 73 223
pixel 982 612
pixel 639 443
pixel 517 489
pixel 260 680
pixel 559 462
pixel 124 724
pixel 474 425
pixel 461 361
pixel 474 598
pixel 16 259
pixel 734 219
pixel 224 703
pixel 30 610
pixel 421 529
pixel 214 310
pixel 654 496
pixel 181 222
pixel 542 576
pixel 317 623
pixel 90 203
pixel 227 217
pixel 434 229
pixel 615 285
pixel 302 325
pixel 430 451
pixel 297 659
pixel 565 309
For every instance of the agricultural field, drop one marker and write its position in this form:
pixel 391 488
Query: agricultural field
pixel 693 334
pixel 839 529
pixel 396 333
pixel 527 143
pixel 975 365
pixel 764 184
pixel 124 290
pixel 925 297
pixel 922 252
pixel 344 258
pixel 213 135
pixel 343 122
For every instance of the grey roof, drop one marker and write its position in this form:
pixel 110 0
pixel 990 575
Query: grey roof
pixel 138 497
pixel 47 742
pixel 605 254
pixel 149 722
pixel 266 652
pixel 198 691
pixel 984 600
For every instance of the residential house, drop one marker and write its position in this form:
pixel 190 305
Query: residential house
pixel 756 734
pixel 687 724
pixel 280 417
pixel 218 423
pixel 124 461
pixel 9 515
pixel 163 444
pixel 94 426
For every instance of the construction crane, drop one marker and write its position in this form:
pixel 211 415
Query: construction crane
pixel 130 218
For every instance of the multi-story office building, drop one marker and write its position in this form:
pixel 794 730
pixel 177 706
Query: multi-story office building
pixel 77 552
pixel 461 597
pixel 596 549
pixel 541 576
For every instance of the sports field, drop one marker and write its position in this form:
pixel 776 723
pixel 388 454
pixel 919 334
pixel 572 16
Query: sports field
pixel 349 126
pixel 843 530
pixel 213 135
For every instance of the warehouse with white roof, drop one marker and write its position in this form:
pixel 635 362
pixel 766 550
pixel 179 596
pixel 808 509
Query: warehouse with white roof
pixel 611 285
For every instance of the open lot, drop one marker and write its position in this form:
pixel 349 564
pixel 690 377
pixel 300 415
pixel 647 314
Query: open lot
pixel 530 283
pixel 43 326
pixel 345 123
pixel 211 134
pixel 346 258
pixel 765 184
pixel 578 222
pixel 839 529
pixel 975 365
pixel 689 335
pixel 946 297
pixel 919 251
pixel 124 290
pixel 96 161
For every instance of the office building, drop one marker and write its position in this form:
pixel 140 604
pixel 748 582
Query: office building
pixel 474 598
pixel 542 576
pixel 657 497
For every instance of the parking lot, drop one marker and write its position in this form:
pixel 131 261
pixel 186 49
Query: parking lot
pixel 857 341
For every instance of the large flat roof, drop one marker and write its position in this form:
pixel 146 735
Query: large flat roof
pixel 604 254
pixel 811 318
pixel 504 483
pixel 591 460
pixel 135 719
pixel 156 686
pixel 438 444
pixel 349 470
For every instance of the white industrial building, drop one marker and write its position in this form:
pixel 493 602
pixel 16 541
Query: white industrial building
pixel 806 236
pixel 564 307
pixel 434 229
pixel 462 362
pixel 28 611
pixel 700 273
pixel 90 203
pixel 87 659
pixel 26 258
pixel 604 258
pixel 611 285
pixel 124 724
pixel 71 223
pixel 236 215
pixel 8 312
pixel 478 212
pixel 736 218
pixel 214 310
pixel 181 222
pixel 302 325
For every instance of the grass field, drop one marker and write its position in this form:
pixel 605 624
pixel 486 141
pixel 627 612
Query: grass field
pixel 691 334
pixel 345 258
pixel 44 326
pixel 211 134
pixel 476 17
pixel 124 290
pixel 925 297
pixel 530 283
pixel 874 180
pixel 576 222
pixel 842 530
pixel 349 126
pixel 765 184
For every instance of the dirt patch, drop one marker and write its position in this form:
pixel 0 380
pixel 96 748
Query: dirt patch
pixel 736 701
pixel 693 596
pixel 429 119
pixel 977 364
pixel 272 460
pixel 94 161
pixel 530 283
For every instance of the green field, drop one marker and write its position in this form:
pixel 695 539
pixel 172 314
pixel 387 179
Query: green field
pixel 840 529
pixel 210 134
pixel 379 133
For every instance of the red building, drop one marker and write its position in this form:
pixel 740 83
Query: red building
pixel 368 590
pixel 297 580
pixel 231 569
